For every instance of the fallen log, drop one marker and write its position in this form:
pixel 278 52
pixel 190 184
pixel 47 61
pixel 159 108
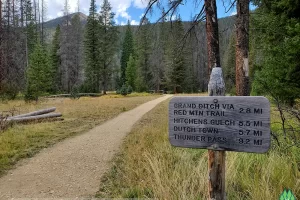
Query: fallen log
pixel 35 113
pixel 77 95
pixel 34 118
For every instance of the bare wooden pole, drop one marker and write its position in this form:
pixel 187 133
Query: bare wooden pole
pixel 0 14
pixel 216 159
pixel 1 36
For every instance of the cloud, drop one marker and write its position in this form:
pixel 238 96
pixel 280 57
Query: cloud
pixel 120 7
pixel 140 3
pixel 133 22
pixel 233 13
pixel 123 23
pixel 121 11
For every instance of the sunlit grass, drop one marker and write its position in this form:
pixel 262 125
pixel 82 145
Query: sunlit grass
pixel 80 115
pixel 149 167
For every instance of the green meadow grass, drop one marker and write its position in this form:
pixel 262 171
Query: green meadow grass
pixel 22 141
pixel 149 167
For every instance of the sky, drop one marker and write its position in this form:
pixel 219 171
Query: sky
pixel 133 10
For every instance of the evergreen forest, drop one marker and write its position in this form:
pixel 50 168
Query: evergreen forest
pixel 92 54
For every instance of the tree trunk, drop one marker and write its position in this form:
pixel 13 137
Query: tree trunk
pixel 104 82
pixel 216 87
pixel 0 14
pixel 35 18
pixel 42 31
pixel 22 13
pixel 13 14
pixel 212 32
pixel 242 49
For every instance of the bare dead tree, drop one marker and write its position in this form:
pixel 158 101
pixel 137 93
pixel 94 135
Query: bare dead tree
pixel 1 50
pixel 42 24
pixel 242 48
pixel 171 11
pixel 36 15
pixel 289 124
pixel 22 12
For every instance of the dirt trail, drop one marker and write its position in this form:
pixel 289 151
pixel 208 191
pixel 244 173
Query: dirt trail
pixel 73 167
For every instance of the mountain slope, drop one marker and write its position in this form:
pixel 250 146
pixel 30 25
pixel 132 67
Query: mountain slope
pixel 54 22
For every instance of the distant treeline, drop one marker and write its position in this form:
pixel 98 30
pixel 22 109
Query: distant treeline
pixel 78 53
pixel 93 54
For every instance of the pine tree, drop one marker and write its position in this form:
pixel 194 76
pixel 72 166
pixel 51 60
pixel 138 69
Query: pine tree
pixel 55 62
pixel 31 34
pixel 277 74
pixel 93 69
pixel 143 56
pixel 108 42
pixel 176 62
pixel 131 73
pixel 127 50
pixel 65 69
pixel 76 52
pixel 13 52
pixel 158 55
pixel 38 74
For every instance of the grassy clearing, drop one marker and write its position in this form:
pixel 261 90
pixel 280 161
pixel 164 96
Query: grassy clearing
pixel 80 115
pixel 149 167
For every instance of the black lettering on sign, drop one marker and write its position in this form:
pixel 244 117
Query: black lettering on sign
pixel 215 113
pixel 185 129
pixel 209 106
pixel 221 140
pixel 244 123
pixel 189 121
pixel 220 123
pixel 196 112
pixel 257 133
pixel 244 132
pixel 257 123
pixel 245 110
pixel 258 111
pixel 208 130
pixel 228 106
pixel 184 105
pixel 180 112
pixel 258 142
pixel 244 141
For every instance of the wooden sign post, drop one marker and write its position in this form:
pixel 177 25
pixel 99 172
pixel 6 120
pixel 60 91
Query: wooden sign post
pixel 216 159
pixel 220 124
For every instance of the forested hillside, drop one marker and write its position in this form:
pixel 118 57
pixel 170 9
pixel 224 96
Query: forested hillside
pixel 56 56
pixel 79 53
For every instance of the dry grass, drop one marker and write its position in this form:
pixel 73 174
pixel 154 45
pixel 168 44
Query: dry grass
pixel 23 141
pixel 149 167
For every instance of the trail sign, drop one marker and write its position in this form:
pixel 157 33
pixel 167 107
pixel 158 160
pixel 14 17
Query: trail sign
pixel 220 123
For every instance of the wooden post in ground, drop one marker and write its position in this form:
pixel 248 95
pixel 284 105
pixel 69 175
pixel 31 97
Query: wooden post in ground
pixel 216 159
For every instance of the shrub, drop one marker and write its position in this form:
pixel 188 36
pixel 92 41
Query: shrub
pixel 129 89
pixel 123 90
